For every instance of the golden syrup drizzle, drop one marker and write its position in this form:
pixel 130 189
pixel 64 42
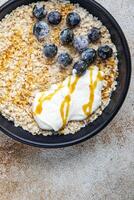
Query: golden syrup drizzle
pixel 64 109
pixel 73 85
pixel 39 107
pixel 65 105
pixel 87 108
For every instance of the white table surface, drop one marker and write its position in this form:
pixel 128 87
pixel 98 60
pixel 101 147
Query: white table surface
pixel 101 168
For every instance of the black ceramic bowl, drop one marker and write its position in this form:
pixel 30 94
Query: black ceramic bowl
pixel 117 97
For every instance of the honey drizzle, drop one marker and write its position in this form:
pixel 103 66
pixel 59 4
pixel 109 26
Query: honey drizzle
pixel 65 105
pixel 47 98
pixel 87 108
pixel 64 110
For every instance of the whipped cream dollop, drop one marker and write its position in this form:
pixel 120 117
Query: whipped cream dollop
pixel 76 98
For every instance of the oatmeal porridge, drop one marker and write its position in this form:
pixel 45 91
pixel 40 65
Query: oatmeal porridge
pixel 55 51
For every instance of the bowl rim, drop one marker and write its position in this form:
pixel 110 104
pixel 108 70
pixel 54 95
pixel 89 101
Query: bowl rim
pixel 87 136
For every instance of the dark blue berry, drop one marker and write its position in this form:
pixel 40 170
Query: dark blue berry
pixel 54 17
pixel 66 36
pixel 73 19
pixel 80 43
pixel 80 67
pixel 50 50
pixel 64 59
pixel 39 11
pixel 88 55
pixel 40 30
pixel 94 34
pixel 105 52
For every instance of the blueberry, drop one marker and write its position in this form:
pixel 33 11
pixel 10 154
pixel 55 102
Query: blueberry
pixel 73 19
pixel 54 17
pixel 40 30
pixel 88 55
pixel 39 11
pixel 80 43
pixel 94 34
pixel 66 36
pixel 105 52
pixel 80 67
pixel 50 50
pixel 64 59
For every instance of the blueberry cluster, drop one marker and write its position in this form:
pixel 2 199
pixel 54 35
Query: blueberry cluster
pixel 80 43
pixel 88 55
pixel 41 28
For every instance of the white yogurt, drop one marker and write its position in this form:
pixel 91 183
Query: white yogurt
pixel 74 99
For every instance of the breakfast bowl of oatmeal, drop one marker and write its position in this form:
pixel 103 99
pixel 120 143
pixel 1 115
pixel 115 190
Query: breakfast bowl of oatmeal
pixel 64 70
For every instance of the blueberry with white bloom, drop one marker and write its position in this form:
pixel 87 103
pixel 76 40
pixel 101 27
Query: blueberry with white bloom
pixel 80 43
pixel 54 17
pixel 80 67
pixel 94 34
pixel 41 30
pixel 88 55
pixel 66 36
pixel 73 19
pixel 105 52
pixel 50 50
pixel 39 11
pixel 64 59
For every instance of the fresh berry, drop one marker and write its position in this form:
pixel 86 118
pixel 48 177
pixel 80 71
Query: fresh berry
pixel 94 34
pixel 50 50
pixel 80 67
pixel 73 19
pixel 80 43
pixel 66 36
pixel 54 17
pixel 105 52
pixel 39 11
pixel 40 30
pixel 64 59
pixel 88 55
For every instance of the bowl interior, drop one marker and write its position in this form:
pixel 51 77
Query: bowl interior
pixel 117 97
